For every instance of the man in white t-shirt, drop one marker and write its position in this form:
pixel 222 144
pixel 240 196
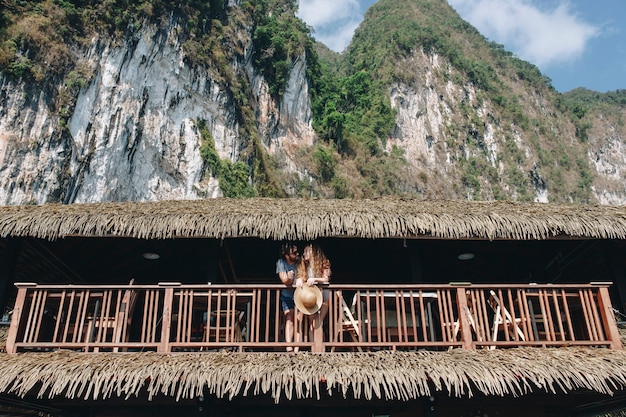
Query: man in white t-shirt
pixel 286 269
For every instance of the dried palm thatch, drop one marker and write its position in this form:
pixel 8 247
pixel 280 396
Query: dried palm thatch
pixel 4 332
pixel 621 328
pixel 311 218
pixel 383 375
pixel 621 413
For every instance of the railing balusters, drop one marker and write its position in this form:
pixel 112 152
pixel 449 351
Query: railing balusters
pixel 446 321
pixel 368 312
pixel 267 315
pixel 178 317
pixel 58 314
pixel 82 314
pixel 400 318
pixel 557 314
pixel 596 316
pixel 32 314
pixel 505 328
pixel 68 315
pixel 524 316
pixel 483 320
pixel 531 328
pixel 145 323
pixel 179 314
pixel 550 318
pixel 155 314
pixel 151 317
pixel 187 314
pixel 380 316
pixel 568 316
pixel 415 316
pixel 591 328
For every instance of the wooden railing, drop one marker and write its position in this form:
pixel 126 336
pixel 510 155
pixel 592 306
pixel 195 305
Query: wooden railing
pixel 171 317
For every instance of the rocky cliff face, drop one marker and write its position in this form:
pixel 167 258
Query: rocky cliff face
pixel 433 129
pixel 133 134
pixel 607 155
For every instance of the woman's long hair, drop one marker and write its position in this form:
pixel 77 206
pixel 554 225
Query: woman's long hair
pixel 318 262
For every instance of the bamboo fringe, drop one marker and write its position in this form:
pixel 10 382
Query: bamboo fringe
pixel 382 375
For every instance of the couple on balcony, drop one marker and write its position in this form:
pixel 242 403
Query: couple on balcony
pixel 303 273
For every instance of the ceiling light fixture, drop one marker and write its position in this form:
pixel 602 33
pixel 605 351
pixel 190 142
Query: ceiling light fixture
pixel 151 256
pixel 465 256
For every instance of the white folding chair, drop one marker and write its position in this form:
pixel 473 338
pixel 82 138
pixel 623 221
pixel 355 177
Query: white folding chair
pixel 347 323
pixel 502 317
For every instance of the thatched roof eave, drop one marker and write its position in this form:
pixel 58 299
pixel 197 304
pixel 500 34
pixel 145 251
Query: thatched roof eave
pixel 373 375
pixel 304 219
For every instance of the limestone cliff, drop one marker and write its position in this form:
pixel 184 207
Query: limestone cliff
pixel 130 126
pixel 433 129
pixel 132 134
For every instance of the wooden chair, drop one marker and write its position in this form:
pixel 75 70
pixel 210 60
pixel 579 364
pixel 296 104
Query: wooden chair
pixel 226 327
pixel 350 324
pixel 502 317
pixel 347 323
pixel 549 321
pixel 400 325
pixel 125 315
pixel 457 325
pixel 112 328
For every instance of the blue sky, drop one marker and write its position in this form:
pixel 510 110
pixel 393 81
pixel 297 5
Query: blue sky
pixel 577 43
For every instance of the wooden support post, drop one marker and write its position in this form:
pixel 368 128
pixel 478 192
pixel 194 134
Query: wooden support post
pixel 466 330
pixel 318 334
pixel 608 318
pixel 168 301
pixel 20 300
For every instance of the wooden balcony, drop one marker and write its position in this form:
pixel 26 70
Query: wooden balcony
pixel 170 317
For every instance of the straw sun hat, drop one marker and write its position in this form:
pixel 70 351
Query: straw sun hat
pixel 308 299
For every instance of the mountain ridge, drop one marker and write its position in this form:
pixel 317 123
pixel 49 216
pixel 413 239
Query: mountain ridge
pixel 420 106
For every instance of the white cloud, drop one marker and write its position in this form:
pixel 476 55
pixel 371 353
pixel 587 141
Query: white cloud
pixel 334 21
pixel 543 37
pixel 339 38
pixel 323 12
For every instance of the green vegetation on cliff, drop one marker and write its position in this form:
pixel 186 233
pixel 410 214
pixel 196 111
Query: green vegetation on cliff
pixel 37 40
pixel 500 143
pixel 498 91
pixel 36 37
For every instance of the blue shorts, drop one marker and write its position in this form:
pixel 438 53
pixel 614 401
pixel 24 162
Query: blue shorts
pixel 286 300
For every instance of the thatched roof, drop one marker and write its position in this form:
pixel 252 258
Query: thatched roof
pixel 312 218
pixel 379 375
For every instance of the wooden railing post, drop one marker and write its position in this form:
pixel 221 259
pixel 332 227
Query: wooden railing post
pixel 168 300
pixel 318 334
pixel 16 317
pixel 466 330
pixel 608 318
